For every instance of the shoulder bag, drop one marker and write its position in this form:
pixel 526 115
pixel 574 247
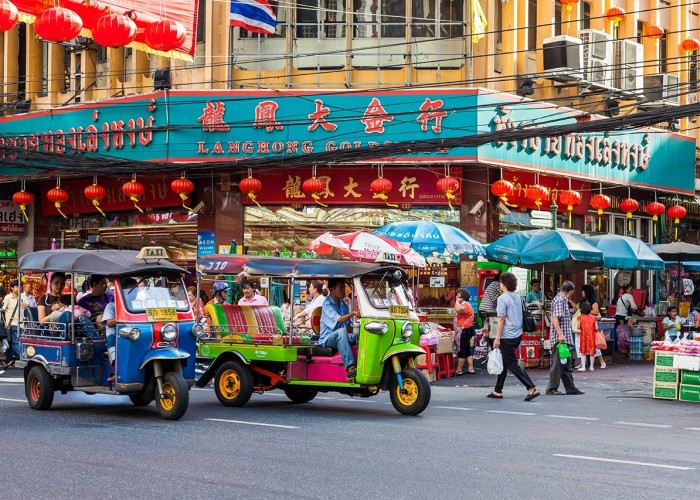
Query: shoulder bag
pixel 529 324
pixel 3 328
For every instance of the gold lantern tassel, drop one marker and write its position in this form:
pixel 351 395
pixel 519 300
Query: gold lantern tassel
pixel 183 197
pixel 58 207
pixel 23 209
pixel 382 196
pixel 600 217
pixel 629 223
pixel 450 196
pixel 135 199
pixel 676 221
pixel 253 198
pixel 317 199
pixel 654 219
pixel 569 208
pixel 96 202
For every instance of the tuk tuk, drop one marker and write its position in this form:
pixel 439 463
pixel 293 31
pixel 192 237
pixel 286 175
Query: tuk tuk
pixel 255 349
pixel 154 338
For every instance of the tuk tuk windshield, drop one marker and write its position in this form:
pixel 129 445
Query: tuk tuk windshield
pixel 150 292
pixel 384 291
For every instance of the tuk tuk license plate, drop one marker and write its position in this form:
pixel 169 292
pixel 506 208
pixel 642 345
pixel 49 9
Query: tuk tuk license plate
pixel 398 311
pixel 161 314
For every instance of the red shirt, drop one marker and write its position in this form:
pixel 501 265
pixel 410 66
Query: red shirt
pixel 464 315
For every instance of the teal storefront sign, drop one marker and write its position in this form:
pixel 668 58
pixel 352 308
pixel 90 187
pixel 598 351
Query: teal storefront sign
pixel 240 124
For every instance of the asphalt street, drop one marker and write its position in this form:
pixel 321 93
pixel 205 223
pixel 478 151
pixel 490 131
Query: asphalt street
pixel 613 442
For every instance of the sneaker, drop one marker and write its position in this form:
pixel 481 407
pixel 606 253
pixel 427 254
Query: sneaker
pixel 582 369
pixel 603 365
pixel 591 369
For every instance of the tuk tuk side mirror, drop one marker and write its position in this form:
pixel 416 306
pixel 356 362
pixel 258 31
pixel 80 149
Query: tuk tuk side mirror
pixel 377 327
pixel 130 333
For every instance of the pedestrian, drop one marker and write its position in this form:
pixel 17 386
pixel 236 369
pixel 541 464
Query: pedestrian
pixel 589 325
pixel 625 305
pixel 588 293
pixel 509 309
pixel 560 332
pixel 488 303
pixel 464 331
pixel 10 308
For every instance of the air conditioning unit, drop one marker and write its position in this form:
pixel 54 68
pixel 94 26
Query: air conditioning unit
pixel 661 90
pixel 628 62
pixel 562 56
pixel 596 57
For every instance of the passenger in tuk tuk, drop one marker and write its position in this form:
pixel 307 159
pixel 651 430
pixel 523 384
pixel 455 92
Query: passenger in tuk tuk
pixel 250 298
pixel 335 320
pixel 109 322
pixel 96 299
pixel 315 292
pixel 52 300
pixel 219 292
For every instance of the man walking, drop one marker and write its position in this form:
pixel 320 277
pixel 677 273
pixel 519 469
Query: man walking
pixel 560 332
pixel 10 307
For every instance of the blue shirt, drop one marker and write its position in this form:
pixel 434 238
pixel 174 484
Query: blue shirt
pixel 533 296
pixel 510 307
pixel 330 313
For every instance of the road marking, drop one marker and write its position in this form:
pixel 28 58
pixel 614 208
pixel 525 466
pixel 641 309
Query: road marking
pixel 511 412
pixel 455 408
pixel 250 423
pixel 11 380
pixel 642 424
pixel 571 417
pixel 630 462
pixel 10 399
pixel 692 428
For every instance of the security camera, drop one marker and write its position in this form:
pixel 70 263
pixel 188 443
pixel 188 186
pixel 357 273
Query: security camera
pixel 477 207
pixel 503 208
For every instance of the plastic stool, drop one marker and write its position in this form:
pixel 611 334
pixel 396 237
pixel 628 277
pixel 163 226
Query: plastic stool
pixel 446 366
pixel 429 365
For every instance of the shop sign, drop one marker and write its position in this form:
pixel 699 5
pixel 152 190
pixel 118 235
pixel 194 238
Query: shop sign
pixel 541 223
pixel 11 218
pixel 206 243
pixel 555 185
pixel 541 214
pixel 350 186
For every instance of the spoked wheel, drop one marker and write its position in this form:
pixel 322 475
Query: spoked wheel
pixel 233 384
pixel 416 395
pixel 174 405
pixel 300 394
pixel 39 388
pixel 140 400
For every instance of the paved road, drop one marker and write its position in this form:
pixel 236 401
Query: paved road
pixel 613 442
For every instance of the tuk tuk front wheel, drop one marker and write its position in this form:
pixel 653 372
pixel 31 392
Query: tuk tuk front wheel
pixel 39 388
pixel 177 397
pixel 416 395
pixel 233 384
pixel 300 394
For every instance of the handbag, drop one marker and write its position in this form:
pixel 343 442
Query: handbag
pixel 529 323
pixel 600 341
pixel 3 328
pixel 576 321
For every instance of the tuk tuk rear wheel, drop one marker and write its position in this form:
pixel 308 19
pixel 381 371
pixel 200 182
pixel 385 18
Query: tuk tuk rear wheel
pixel 300 394
pixel 174 405
pixel 39 388
pixel 417 392
pixel 140 400
pixel 233 384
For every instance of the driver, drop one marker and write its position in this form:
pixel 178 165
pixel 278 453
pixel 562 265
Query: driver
pixel 335 319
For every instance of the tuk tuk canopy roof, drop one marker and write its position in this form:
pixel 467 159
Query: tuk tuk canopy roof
pixel 107 262
pixel 282 267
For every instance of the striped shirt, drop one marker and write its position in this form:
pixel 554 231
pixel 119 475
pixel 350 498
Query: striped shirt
pixel 490 298
pixel 560 310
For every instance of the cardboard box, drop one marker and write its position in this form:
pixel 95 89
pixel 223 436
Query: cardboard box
pixel 690 377
pixel 665 375
pixel 664 358
pixel 421 360
pixel 445 345
pixel 689 393
pixel 685 362
pixel 429 375
pixel 664 391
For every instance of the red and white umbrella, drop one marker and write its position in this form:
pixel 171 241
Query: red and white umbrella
pixel 367 247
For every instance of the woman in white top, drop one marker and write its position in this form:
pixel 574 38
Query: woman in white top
pixel 315 291
pixel 625 305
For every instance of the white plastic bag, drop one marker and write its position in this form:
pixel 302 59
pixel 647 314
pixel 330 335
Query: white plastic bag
pixel 495 363
pixel 5 345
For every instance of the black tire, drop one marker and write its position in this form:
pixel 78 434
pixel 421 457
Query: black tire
pixel 174 406
pixel 140 399
pixel 417 395
pixel 233 384
pixel 39 388
pixel 300 394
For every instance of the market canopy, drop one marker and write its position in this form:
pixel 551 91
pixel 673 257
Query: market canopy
pixel 252 265
pixel 427 237
pixel 367 247
pixel 545 249
pixel 677 251
pixel 625 252
pixel 106 262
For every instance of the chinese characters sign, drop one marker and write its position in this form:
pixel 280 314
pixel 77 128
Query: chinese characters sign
pixel 555 185
pixel 11 219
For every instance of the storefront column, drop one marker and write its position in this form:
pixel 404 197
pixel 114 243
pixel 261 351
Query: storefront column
pixel 225 218
pixel 476 188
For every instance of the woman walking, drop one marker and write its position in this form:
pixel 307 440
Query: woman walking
pixel 464 328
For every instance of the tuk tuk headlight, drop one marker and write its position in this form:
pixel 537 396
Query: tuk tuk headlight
pixel 424 328
pixel 377 327
pixel 198 331
pixel 168 332
pixel 130 333
pixel 407 329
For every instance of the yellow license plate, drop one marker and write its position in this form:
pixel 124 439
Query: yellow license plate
pixel 161 314
pixel 398 311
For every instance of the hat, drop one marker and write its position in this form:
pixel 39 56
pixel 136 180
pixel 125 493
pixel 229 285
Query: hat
pixel 219 286
pixel 14 283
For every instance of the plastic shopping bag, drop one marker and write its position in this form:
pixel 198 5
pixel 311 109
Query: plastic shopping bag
pixel 495 362
pixel 564 353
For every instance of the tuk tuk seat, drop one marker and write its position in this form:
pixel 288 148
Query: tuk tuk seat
pixel 250 324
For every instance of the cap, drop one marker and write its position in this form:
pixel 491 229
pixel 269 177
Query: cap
pixel 219 286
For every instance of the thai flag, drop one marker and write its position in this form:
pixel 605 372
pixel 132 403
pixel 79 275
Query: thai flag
pixel 253 15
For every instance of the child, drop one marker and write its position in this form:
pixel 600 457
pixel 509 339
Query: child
pixel 671 324
pixel 589 325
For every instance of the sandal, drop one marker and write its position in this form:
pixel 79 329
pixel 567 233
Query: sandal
pixel 470 373
pixel 532 396
pixel 494 396
pixel 459 374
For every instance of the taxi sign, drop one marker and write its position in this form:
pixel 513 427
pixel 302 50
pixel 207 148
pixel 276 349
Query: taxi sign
pixel 161 314
pixel 155 253
pixel 398 311
pixel 387 257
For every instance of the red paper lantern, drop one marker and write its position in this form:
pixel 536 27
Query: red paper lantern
pixel 313 187
pixel 570 198
pixel 448 186
pixel 655 209
pixel 615 15
pixel 58 25
pixel 536 193
pixel 690 44
pixel 58 196
pixel 251 186
pixel 183 187
pixel 380 187
pixel 600 202
pixel 22 198
pixel 114 30
pixel 677 212
pixel 653 31
pixel 95 193
pixel 503 189
pixel 629 205
pixel 133 190
pixel 569 3
pixel 165 35
pixel 8 15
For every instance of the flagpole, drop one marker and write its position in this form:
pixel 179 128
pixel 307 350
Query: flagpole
pixel 470 44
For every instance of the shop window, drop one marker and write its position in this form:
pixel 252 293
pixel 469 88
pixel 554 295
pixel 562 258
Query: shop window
pixel 557 18
pixel 379 18
pixel 663 53
pixel 597 224
pixel 625 227
pixel 45 69
pixel 320 19
pixel 201 21
pixel 433 18
pixel 585 15
pixel 532 25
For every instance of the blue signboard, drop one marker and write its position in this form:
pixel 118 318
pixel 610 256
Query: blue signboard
pixel 206 243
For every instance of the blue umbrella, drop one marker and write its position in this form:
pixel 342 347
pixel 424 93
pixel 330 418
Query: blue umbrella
pixel 625 252
pixel 551 251
pixel 426 237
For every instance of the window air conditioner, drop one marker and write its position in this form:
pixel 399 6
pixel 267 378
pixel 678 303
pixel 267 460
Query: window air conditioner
pixel 628 59
pixel 596 57
pixel 661 90
pixel 562 57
